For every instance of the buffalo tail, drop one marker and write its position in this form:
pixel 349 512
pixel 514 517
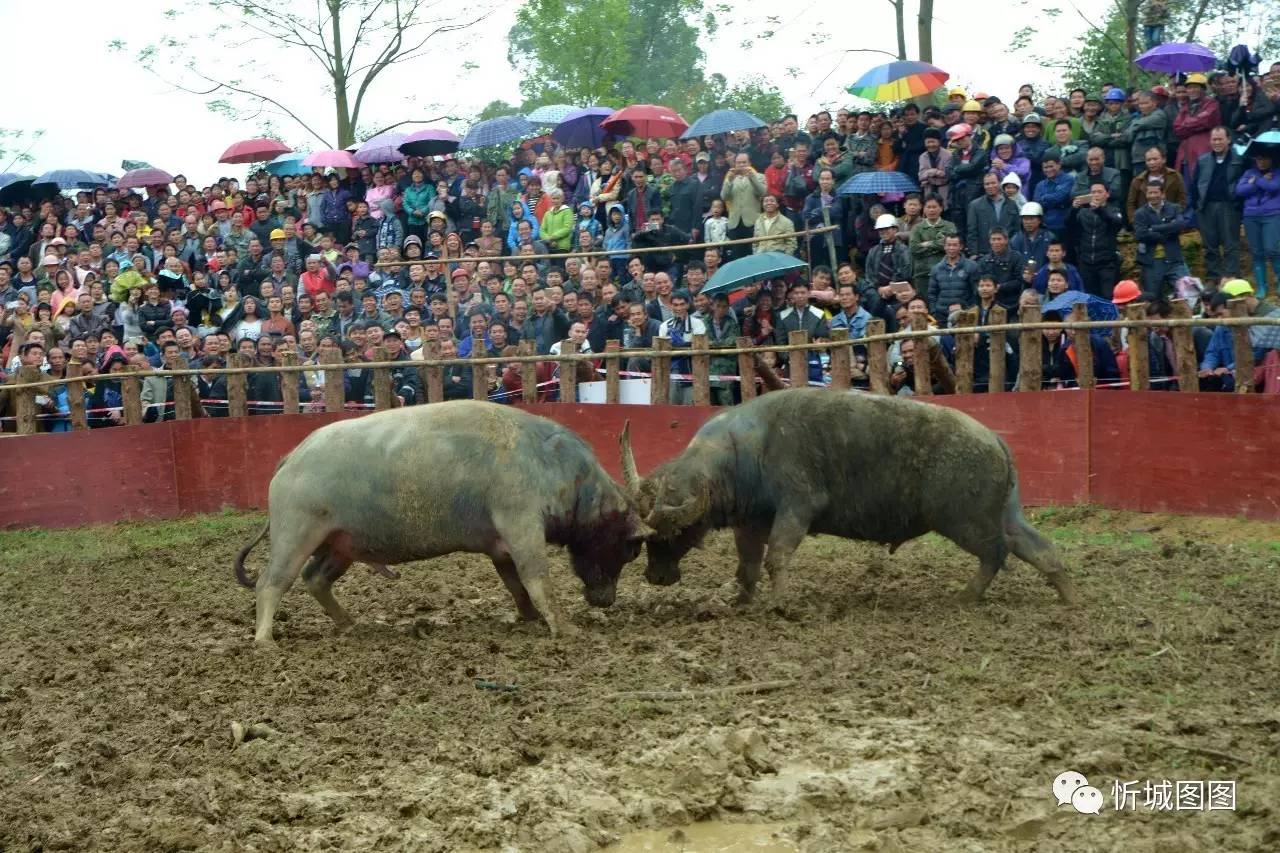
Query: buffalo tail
pixel 241 575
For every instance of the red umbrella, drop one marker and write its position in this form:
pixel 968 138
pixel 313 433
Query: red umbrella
pixel 646 120
pixel 254 151
pixel 336 158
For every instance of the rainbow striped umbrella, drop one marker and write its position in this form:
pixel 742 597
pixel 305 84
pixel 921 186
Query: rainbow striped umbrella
pixel 899 81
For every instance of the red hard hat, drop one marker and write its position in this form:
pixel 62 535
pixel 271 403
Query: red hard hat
pixel 1126 291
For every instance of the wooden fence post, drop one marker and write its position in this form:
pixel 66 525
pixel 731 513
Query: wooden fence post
pixel 878 359
pixel 841 360
pixel 965 345
pixel 131 396
pixel 1084 348
pixel 434 373
pixel 25 402
pixel 181 386
pixel 289 396
pixel 528 374
pixel 75 397
pixel 480 372
pixel 701 373
pixel 1184 349
pixel 798 360
pixel 335 392
pixel 612 372
pixel 1139 361
pixel 996 364
pixel 920 360
pixel 746 370
pixel 383 399
pixel 1030 366
pixel 237 389
pixel 660 372
pixel 1242 347
pixel 568 373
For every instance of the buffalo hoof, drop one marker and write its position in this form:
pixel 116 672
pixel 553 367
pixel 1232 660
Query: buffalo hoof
pixel 1067 594
pixel 745 597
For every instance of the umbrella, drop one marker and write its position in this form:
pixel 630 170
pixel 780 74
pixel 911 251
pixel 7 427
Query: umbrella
pixel 1099 309
pixel 334 158
pixel 383 148
pixel 496 131
pixel 1267 144
pixel 1176 58
pixel 874 183
pixel 74 179
pixel 751 268
pixel 149 177
pixel 254 151
pixel 646 120
pixel 14 187
pixel 581 128
pixel 1266 337
pixel 429 142
pixel 898 81
pixel 721 121
pixel 552 114
pixel 290 164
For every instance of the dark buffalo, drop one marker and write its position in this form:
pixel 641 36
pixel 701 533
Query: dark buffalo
pixel 420 482
pixel 807 461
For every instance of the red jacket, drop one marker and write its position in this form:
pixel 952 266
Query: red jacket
pixel 1192 130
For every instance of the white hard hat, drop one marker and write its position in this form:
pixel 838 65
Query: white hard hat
pixel 886 220
pixel 1031 208
pixel 1012 178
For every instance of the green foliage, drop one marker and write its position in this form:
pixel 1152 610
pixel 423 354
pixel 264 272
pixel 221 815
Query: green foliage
pixel 15 147
pixel 609 52
pixel 753 94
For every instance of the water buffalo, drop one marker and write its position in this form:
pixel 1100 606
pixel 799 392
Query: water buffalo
pixel 423 481
pixel 807 461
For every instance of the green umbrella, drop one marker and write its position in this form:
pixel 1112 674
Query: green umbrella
pixel 759 267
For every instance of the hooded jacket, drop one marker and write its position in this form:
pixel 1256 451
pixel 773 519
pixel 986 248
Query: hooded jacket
pixel 1261 193
pixel 619 236
pixel 513 240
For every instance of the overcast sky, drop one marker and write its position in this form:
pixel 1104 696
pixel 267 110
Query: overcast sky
pixel 98 107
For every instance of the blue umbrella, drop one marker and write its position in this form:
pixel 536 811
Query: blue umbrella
pixel 290 164
pixel 14 187
pixel 759 267
pixel 581 128
pixel 874 183
pixel 552 114
pixel 496 131
pixel 1264 143
pixel 74 179
pixel 7 178
pixel 721 121
pixel 1099 309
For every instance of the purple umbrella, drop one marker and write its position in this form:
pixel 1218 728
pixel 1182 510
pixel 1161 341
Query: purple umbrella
pixel 581 128
pixel 144 178
pixel 336 159
pixel 429 142
pixel 1177 58
pixel 383 148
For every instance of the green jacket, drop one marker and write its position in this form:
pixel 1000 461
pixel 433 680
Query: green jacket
pixel 1109 135
pixel 841 170
pixel 498 208
pixel 418 198
pixel 924 257
pixel 727 339
pixel 860 152
pixel 556 228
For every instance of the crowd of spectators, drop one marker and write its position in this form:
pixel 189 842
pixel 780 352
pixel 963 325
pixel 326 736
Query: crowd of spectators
pixel 1020 203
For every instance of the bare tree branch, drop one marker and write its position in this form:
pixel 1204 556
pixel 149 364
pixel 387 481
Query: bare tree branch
pixel 837 65
pixel 1101 30
pixel 1195 22
pixel 412 121
pixel 217 85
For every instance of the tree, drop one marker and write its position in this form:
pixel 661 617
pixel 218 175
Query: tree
pixel 753 94
pixel 924 31
pixel 609 52
pixel 348 44
pixel 15 147
pixel 899 10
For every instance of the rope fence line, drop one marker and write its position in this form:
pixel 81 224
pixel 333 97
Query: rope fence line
pixel 611 253
pixel 835 361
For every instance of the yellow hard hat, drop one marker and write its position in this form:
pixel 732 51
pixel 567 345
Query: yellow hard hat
pixel 957 90
pixel 277 234
pixel 1197 79
pixel 1237 287
pixel 971 107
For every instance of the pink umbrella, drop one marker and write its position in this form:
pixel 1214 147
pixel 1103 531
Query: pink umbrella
pixel 144 178
pixel 646 120
pixel 332 159
pixel 257 150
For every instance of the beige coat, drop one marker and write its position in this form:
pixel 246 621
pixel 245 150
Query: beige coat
pixel 742 196
pixel 780 227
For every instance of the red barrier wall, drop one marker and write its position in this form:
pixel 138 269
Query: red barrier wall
pixel 1215 454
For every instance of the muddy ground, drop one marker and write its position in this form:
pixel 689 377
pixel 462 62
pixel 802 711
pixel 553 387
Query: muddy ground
pixel 908 721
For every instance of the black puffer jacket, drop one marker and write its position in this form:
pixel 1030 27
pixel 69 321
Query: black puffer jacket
pixel 1096 231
